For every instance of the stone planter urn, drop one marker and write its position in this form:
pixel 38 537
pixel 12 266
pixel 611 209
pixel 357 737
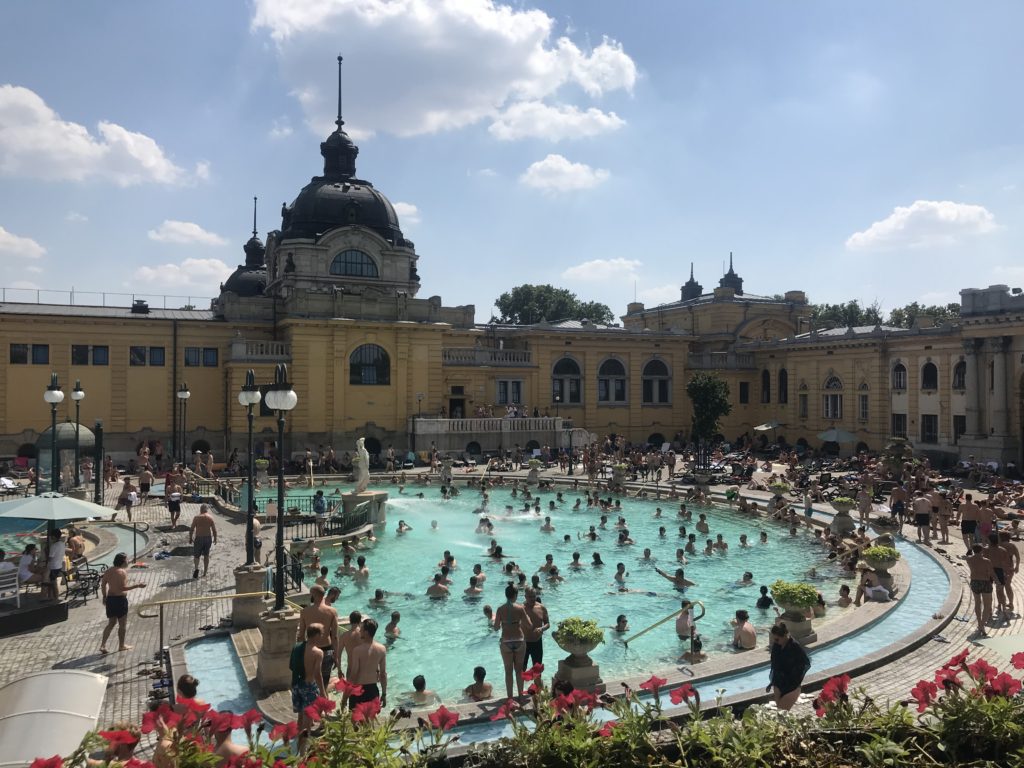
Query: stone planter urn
pixel 578 668
pixel 618 475
pixel 881 566
pixel 797 623
pixel 842 524
pixel 702 478
pixel 578 651
pixel 261 472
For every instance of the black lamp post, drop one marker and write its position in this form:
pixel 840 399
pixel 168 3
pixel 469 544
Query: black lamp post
pixel 569 473
pixel 54 396
pixel 281 398
pixel 558 399
pixel 250 396
pixel 183 396
pixel 77 394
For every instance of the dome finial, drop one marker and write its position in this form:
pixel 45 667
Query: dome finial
pixel 339 122
pixel 691 270
pixel 254 215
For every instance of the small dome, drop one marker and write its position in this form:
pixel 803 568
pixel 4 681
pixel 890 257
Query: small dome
pixel 66 437
pixel 246 281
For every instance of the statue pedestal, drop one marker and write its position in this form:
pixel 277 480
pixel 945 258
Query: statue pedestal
pixel 799 627
pixel 278 630
pixel 376 501
pixel 585 677
pixel 245 611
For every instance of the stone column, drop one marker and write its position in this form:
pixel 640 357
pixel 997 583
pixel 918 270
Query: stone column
pixel 278 629
pixel 972 386
pixel 245 611
pixel 999 417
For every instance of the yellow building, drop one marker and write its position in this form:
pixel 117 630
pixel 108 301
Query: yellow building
pixel 333 294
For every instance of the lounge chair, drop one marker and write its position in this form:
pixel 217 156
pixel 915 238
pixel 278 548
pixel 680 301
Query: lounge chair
pixel 8 487
pixel 10 587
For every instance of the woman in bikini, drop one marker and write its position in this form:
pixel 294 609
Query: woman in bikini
pixel 510 618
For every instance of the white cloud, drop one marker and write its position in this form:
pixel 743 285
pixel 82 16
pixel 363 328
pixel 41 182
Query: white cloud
pixel 925 223
pixel 184 233
pixel 203 170
pixel 33 269
pixel 407 213
pixel 199 275
pixel 487 173
pixel 35 142
pixel 76 217
pixel 15 246
pixel 25 285
pixel 556 174
pixel 535 119
pixel 662 294
pixel 604 270
pixel 421 66
pixel 280 128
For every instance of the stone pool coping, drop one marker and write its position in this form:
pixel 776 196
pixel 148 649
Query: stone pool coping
pixel 105 542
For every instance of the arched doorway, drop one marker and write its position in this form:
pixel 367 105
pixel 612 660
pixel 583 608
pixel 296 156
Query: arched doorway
pixel 200 445
pixel 473 448
pixel 657 440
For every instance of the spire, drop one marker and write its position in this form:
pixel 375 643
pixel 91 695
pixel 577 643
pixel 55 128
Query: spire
pixel 254 250
pixel 338 150
pixel 254 198
pixel 692 289
pixel 731 279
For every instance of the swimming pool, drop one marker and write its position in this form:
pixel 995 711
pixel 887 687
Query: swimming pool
pixel 222 683
pixel 16 533
pixel 127 542
pixel 444 640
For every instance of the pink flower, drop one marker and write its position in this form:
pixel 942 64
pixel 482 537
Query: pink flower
pixel 366 711
pixel 682 693
pixel 443 718
pixel 652 684
pixel 1017 660
pixel 1003 685
pixel 924 693
pixel 507 709
pixel 534 672
pixel 286 731
pixel 607 728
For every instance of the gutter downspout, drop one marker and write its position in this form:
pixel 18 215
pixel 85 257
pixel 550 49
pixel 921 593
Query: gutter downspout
pixel 174 391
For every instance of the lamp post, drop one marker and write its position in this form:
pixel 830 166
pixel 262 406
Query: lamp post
pixel 569 473
pixel 281 398
pixel 250 396
pixel 77 394
pixel 183 396
pixel 54 396
pixel 558 399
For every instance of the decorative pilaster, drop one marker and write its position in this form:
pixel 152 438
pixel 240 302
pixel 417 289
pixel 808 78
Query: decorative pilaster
pixel 999 416
pixel 972 388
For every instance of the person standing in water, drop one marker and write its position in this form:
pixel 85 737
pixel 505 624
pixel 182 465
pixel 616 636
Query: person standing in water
pixel 789 665
pixel 511 618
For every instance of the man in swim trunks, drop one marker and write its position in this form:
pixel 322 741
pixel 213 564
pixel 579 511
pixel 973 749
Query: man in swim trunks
pixel 969 520
pixel 534 629
pixel 982 576
pixel 172 493
pixel 145 483
pixel 1002 570
pixel 367 666
pixel 1011 550
pixel 113 588
pixel 327 618
pixel 922 507
pixel 898 503
pixel 202 535
pixel 306 662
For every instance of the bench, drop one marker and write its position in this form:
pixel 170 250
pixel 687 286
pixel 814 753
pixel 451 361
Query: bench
pixel 10 587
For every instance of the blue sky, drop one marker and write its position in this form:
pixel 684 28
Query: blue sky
pixel 869 150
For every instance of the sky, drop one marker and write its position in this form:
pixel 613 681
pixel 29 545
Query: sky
pixel 869 151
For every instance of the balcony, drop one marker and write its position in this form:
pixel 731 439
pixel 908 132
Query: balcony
pixel 243 351
pixel 480 356
pixel 717 361
pixel 489 435
pixel 474 426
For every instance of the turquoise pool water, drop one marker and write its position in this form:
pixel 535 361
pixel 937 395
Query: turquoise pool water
pixel 222 682
pixel 443 640
pixel 15 534
pixel 124 544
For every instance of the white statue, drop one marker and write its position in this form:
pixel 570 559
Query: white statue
pixel 361 465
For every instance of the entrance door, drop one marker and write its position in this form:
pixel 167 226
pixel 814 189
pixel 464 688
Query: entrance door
pixel 456 407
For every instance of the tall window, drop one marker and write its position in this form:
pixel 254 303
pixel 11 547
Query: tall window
pixel 783 386
pixel 611 382
pixel 656 383
pixel 766 387
pixel 959 427
pixel 744 392
pixel 832 400
pixel 929 428
pixel 929 376
pixel 899 376
pixel 369 364
pixel 354 263
pixel 802 398
pixel 862 403
pixel 960 375
pixel 510 392
pixel 565 382
pixel 899 425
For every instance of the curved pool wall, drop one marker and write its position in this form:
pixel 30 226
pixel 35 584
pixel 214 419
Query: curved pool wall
pixel 928 592
pixel 126 540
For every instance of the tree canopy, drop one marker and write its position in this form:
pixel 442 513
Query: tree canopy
pixel 710 398
pixel 528 304
pixel 853 314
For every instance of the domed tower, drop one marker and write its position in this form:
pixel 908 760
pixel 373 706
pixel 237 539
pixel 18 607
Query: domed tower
pixel 340 233
pixel 691 288
pixel 243 294
pixel 731 280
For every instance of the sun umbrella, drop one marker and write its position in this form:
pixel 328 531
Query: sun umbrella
pixel 51 507
pixel 834 435
pixel 768 425
pixel 1005 645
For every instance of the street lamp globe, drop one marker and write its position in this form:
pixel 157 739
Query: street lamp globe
pixel 78 393
pixel 183 393
pixel 53 394
pixel 282 399
pixel 249 397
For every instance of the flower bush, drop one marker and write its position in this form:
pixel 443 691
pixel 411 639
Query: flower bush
pixel 881 553
pixel 779 488
pixel 844 500
pixel 577 630
pixel 967 714
pixel 793 593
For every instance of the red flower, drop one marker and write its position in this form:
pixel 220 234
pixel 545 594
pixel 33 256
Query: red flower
pixel 981 671
pixel 366 711
pixel 443 718
pixel 251 718
pixel 534 672
pixel 345 687
pixel 52 762
pixel 652 684
pixel 561 703
pixel 163 717
pixel 607 728
pixel 924 693
pixel 948 678
pixel 119 737
pixel 134 762
pixel 837 687
pixel 505 710
pixel 682 693
pixel 959 659
pixel 533 690
pixel 583 699
pixel 286 731
pixel 1003 685
pixel 1017 660
pixel 224 721
pixel 194 706
pixel 319 708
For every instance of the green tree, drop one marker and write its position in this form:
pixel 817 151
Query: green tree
pixel 825 316
pixel 710 398
pixel 528 304
pixel 904 317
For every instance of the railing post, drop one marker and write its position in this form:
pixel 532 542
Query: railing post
pixel 160 650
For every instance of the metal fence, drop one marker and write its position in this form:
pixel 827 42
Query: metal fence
pixel 300 522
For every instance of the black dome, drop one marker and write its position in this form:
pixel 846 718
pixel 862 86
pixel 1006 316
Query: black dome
pixel 246 281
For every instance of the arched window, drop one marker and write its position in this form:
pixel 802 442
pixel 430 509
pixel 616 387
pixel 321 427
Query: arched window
pixel 354 263
pixel 960 375
pixel 565 382
pixel 369 364
pixel 656 383
pixel 899 376
pixel 766 386
pixel 832 400
pixel 611 382
pixel 929 376
pixel 783 386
